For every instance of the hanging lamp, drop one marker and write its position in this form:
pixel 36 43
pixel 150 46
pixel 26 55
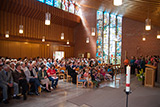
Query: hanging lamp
pixel 87 40
pixel 117 2
pixel 47 18
pixel 7 34
pixel 62 36
pixel 43 39
pixel 93 32
pixel 148 24
pixel 67 42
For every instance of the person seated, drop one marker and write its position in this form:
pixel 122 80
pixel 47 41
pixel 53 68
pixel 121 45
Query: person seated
pixel 86 74
pixel 52 76
pixel 20 78
pixel 6 80
pixel 89 79
pixel 42 75
pixel 93 76
pixel 62 69
pixel 49 63
pixel 110 71
pixel 81 78
pixel 32 78
pixel 12 66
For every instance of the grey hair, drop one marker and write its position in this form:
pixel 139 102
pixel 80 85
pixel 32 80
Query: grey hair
pixel 6 66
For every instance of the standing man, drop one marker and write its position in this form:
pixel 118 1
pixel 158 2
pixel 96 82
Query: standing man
pixel 6 80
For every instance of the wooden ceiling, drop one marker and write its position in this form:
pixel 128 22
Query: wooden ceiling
pixel 37 10
pixel 134 9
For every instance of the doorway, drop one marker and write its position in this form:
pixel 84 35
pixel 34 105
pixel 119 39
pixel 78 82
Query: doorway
pixel 59 55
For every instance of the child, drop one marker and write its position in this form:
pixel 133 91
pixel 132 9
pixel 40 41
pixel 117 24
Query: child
pixel 81 78
pixel 110 71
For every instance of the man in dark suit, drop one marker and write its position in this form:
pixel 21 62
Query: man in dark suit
pixel 6 80
pixel 72 73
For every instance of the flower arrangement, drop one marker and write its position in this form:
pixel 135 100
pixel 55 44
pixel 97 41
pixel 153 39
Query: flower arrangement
pixel 141 75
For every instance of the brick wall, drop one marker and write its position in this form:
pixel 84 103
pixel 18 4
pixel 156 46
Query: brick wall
pixel 132 39
pixel 82 31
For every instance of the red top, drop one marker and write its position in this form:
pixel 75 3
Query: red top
pixel 51 72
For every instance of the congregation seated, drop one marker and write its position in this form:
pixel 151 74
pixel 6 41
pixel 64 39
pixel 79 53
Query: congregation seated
pixel 89 71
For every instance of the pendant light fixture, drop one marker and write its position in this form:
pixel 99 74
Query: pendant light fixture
pixel 47 44
pixel 93 32
pixel 148 24
pixel 62 36
pixel 7 34
pixel 158 34
pixel 47 18
pixel 21 26
pixel 21 29
pixel 144 37
pixel 117 2
pixel 87 40
pixel 67 42
pixel 43 39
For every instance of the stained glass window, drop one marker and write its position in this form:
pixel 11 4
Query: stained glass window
pixel 112 37
pixel 99 53
pixel 49 2
pixel 57 3
pixel 41 1
pixel 119 39
pixel 106 36
pixel 77 9
pixel 65 5
pixel 71 6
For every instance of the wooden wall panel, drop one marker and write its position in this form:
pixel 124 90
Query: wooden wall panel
pixel 31 50
pixel 33 28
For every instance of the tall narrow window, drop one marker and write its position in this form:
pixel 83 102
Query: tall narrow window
pixel 65 5
pixel 57 3
pixel 71 6
pixel 77 9
pixel 112 38
pixel 119 39
pixel 99 53
pixel 106 37
pixel 49 2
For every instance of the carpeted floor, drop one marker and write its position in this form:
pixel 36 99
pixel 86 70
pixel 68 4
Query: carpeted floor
pixel 110 97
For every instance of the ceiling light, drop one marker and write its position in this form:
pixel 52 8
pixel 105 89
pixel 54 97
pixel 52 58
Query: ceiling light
pixel 148 24
pixel 7 34
pixel 62 36
pixel 117 2
pixel 21 29
pixel 48 18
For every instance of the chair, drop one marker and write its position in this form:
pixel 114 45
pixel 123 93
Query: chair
pixel 79 82
pixel 91 84
pixel 61 74
pixel 68 76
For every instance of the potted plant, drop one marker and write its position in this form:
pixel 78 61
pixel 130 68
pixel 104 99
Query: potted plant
pixel 141 76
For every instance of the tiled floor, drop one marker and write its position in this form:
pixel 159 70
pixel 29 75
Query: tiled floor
pixel 68 95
